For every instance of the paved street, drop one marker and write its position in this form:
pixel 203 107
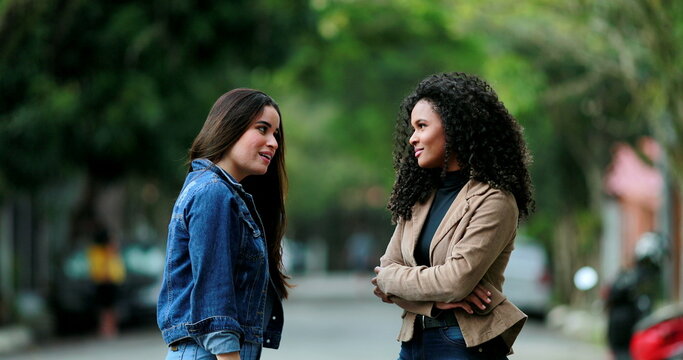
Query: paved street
pixel 326 318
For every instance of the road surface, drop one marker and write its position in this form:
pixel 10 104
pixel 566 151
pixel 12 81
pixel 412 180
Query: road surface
pixel 329 318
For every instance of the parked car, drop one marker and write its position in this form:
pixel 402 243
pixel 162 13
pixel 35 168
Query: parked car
pixel 73 301
pixel 527 278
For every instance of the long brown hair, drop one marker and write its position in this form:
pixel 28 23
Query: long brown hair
pixel 228 119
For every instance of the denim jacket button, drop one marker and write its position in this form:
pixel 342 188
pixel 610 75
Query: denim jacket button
pixel 267 341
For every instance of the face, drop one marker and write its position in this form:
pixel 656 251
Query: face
pixel 429 137
pixel 255 149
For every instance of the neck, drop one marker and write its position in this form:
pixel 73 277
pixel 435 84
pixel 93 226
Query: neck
pixel 452 165
pixel 226 165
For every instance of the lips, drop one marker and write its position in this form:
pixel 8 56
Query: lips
pixel 266 156
pixel 418 152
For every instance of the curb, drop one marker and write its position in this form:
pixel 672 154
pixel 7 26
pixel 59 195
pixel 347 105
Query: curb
pixel 14 337
pixel 334 286
pixel 585 325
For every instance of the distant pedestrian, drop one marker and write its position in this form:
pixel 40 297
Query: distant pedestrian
pixel 107 272
pixel 462 182
pixel 359 252
pixel 223 282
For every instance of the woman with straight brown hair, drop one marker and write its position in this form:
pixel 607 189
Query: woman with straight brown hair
pixel 223 281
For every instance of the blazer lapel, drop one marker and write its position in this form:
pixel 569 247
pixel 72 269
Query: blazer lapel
pixel 455 212
pixel 420 212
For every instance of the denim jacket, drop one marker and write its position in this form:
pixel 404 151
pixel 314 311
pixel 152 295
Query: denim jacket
pixel 216 275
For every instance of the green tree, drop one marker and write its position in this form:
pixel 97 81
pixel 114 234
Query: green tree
pixel 350 76
pixel 611 74
pixel 106 90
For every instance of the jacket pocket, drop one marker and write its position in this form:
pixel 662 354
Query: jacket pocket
pixel 253 244
pixel 453 335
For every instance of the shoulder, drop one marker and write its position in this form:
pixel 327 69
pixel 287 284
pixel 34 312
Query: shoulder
pixel 209 187
pixel 484 194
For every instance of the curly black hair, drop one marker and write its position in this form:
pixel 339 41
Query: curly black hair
pixel 481 134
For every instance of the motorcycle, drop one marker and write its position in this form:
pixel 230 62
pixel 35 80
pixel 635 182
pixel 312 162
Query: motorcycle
pixel 659 336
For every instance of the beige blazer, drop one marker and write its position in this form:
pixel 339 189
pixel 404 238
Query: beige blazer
pixel 471 245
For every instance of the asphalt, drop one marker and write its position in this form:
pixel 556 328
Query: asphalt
pixel 329 317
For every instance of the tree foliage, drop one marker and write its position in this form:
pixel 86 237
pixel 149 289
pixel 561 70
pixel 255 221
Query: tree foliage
pixel 110 90
pixel 118 88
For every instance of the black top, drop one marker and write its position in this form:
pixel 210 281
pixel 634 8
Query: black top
pixel 445 194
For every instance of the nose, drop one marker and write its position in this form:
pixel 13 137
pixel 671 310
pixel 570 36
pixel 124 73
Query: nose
pixel 272 142
pixel 413 139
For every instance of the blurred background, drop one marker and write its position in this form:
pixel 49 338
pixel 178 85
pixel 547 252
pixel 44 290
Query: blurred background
pixel 100 100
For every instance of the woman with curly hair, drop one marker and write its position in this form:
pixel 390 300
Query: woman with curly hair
pixel 462 186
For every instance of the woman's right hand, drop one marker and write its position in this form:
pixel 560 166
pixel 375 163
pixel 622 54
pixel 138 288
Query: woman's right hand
pixel 479 297
pixel 379 293
pixel 229 356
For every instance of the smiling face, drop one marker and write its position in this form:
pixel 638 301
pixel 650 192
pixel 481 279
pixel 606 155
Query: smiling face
pixel 429 137
pixel 255 149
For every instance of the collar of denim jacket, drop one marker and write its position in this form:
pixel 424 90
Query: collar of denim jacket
pixel 206 164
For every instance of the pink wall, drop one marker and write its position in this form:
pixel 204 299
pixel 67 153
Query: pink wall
pixel 637 185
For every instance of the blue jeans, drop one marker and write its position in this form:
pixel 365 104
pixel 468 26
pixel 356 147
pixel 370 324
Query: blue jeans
pixel 442 343
pixel 192 351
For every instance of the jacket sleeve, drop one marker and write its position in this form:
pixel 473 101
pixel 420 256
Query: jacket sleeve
pixel 491 227
pixel 393 255
pixel 214 245
pixel 219 342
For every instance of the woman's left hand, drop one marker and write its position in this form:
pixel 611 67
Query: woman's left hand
pixel 478 297
pixel 385 298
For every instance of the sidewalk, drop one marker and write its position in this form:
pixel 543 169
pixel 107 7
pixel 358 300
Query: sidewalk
pixel 332 286
pixel 14 338
pixel 586 325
